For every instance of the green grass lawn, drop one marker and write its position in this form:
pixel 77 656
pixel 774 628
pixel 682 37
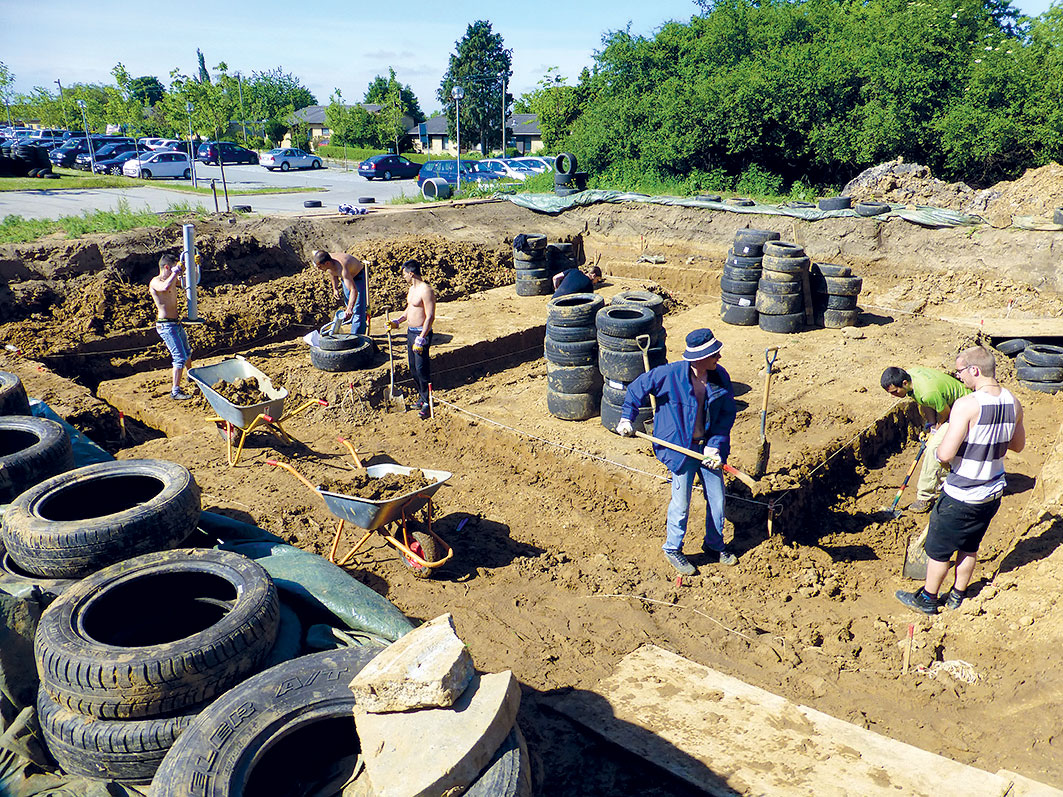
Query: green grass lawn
pixel 72 179
pixel 15 229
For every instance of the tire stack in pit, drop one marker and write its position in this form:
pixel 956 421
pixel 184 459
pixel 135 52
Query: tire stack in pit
pixel 535 262
pixel 632 321
pixel 1039 366
pixel 764 283
pixel 573 381
pixel 343 351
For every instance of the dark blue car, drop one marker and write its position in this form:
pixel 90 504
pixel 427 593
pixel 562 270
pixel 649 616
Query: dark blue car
pixel 114 163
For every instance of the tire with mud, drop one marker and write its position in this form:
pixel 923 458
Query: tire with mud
pixel 16 581
pixel 735 258
pixel 569 334
pixel 1012 347
pixel 530 273
pixel 626 366
pixel 786 324
pixel 738 300
pixel 740 202
pixel 843 286
pixel 572 406
pixel 738 287
pixel 756 236
pixel 611 414
pixel 1043 354
pixel 614 343
pixel 836 319
pixel 871 208
pixel 343 341
pixel 625 321
pixel 784 284
pixel 1042 387
pixel 826 301
pixel 31 450
pixel 835 203
pixel 574 309
pixel 780 303
pixel 739 316
pixel 534 287
pixel 352 359
pixel 1037 373
pixel 784 249
pixel 647 299
pixel 786 265
pixel 577 352
pixel 741 274
pixel 793 279
pixel 157 634
pixel 829 270
pixel 614 392
pixel 573 378
pixel 74 523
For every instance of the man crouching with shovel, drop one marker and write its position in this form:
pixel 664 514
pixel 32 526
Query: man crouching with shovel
pixel 695 410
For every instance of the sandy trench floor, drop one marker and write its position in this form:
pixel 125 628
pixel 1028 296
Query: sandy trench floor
pixel 558 572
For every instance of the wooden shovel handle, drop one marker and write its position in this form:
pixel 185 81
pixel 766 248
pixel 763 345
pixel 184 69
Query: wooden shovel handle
pixel 745 478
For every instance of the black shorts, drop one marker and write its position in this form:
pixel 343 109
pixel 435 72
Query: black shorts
pixel 956 526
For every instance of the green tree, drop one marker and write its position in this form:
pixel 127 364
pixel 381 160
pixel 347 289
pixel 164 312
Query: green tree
pixel 204 75
pixel 352 125
pixel 480 65
pixel 393 116
pixel 7 79
pixel 555 103
pixel 378 91
pixel 271 97
pixel 148 89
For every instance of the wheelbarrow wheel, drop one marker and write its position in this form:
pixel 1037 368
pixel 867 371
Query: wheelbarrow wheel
pixel 427 547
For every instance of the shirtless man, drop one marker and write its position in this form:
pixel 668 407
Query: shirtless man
pixel 163 292
pixel 348 285
pixel 419 315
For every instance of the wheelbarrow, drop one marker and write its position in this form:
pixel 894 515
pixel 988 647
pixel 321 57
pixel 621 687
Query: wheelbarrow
pixel 246 419
pixel 422 551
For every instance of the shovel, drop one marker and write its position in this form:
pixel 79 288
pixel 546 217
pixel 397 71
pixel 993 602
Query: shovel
pixel 915 557
pixel 893 510
pixel 643 342
pixel 745 478
pixel 765 447
pixel 395 403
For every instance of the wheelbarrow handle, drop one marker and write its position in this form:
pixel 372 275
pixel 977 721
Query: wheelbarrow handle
pixel 294 473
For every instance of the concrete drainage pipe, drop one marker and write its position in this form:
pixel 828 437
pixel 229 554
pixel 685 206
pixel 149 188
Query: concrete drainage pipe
pixel 436 188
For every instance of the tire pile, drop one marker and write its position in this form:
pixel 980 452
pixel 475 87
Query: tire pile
pixel 1039 366
pixel 24 160
pixel 632 320
pixel 532 266
pixel 780 292
pixel 343 352
pixel 566 179
pixel 834 293
pixel 741 276
pixel 573 381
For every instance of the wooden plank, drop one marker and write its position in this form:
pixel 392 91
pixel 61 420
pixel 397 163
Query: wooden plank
pixel 726 737
pixel 806 289
pixel 1014 327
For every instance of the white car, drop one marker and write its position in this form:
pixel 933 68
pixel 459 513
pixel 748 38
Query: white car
pixel 535 163
pixel 159 164
pixel 504 169
pixel 285 159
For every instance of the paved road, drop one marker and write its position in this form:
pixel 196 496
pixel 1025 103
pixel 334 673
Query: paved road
pixel 334 186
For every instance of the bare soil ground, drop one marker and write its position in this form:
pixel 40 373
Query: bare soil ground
pixel 557 572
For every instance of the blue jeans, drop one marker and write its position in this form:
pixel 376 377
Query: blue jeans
pixel 679 507
pixel 358 321
pixel 173 335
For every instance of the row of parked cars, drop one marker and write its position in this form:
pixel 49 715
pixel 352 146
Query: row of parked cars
pixel 390 167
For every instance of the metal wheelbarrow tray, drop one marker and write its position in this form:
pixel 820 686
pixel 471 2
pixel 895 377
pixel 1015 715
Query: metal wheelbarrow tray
pixel 231 370
pixel 372 515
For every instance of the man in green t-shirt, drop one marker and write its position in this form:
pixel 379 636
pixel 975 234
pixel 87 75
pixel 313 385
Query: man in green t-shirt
pixel 935 392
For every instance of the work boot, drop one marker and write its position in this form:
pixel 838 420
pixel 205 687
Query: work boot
pixel 724 557
pixel 921 505
pixel 919 601
pixel 680 562
pixel 179 395
pixel 953 599
pixel 424 413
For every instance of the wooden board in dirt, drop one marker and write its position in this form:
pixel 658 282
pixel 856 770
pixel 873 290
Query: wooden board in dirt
pixel 381 489
pixel 241 393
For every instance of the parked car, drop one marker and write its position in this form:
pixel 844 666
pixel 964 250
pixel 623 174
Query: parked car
pixel 535 163
pixel 291 158
pixel 218 152
pixel 173 144
pixel 159 164
pixel 386 167
pixel 68 152
pixel 84 160
pixel 448 170
pixel 503 169
pixel 114 163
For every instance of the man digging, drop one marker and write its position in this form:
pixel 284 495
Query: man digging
pixel 163 290
pixel 984 426
pixel 935 392
pixel 347 275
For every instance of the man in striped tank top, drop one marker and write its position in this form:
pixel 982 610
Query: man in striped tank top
pixel 983 426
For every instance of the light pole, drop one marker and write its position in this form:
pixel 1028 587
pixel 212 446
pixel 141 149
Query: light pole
pixel 240 86
pixel 66 119
pixel 88 139
pixel 458 93
pixel 191 155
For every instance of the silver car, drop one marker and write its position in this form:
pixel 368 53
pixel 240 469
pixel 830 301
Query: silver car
pixel 291 158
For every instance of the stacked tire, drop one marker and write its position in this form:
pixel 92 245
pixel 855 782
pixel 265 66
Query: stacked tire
pixel 835 291
pixel 1040 367
pixel 566 179
pixel 741 275
pixel 573 381
pixel 532 267
pixel 129 656
pixel 780 293
pixel 561 256
pixel 835 203
pixel 343 352
pixel 623 329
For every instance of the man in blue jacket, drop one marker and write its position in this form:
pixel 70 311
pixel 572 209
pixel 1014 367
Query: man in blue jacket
pixel 695 410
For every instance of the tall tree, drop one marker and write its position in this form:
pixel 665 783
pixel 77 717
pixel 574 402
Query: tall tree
pixel 378 91
pixel 268 95
pixel 481 65
pixel 204 75
pixel 555 103
pixel 6 81
pixel 352 125
pixel 147 88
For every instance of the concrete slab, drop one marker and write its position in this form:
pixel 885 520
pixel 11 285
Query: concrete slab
pixel 426 753
pixel 726 737
pixel 427 668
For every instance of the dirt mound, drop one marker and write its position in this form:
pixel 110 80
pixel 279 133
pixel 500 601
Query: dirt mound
pixel 1037 193
pixel 242 392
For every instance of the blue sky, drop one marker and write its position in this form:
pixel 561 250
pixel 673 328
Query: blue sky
pixel 327 46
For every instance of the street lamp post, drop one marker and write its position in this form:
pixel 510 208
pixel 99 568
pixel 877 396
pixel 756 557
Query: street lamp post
pixel 458 93
pixel 191 155
pixel 243 122
pixel 503 155
pixel 66 119
pixel 88 139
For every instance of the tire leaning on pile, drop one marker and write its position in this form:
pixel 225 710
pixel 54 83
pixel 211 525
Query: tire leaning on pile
pixel 31 450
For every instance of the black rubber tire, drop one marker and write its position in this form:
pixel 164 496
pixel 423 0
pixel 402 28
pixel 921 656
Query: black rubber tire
pixel 614 395
pixel 738 316
pixel 1057 215
pixel 709 198
pixel 647 299
pixel 431 551
pixel 739 300
pixel 344 341
pixel 574 309
pixel 786 324
pixel 1042 387
pixel 784 249
pixel 826 301
pixel 127 751
pixel 836 319
pixel 573 378
pixel 780 303
pixel 1012 347
pixel 829 270
pixel 522 260
pixel 740 202
pixel 218 756
pixel 737 274
pixel 735 258
pixel 572 406
pixel 32 172
pixel 835 203
pixel 798 205
pixel 31 450
pixel 611 414
pixel 366 200
pixel 625 321
pixel 13 398
pixel 157 634
pixel 534 241
pixel 790 282
pixel 565 163
pixel 241 208
pixel 580 352
pixel 630 344
pixel 787 265
pixel 844 286
pixel 1043 354
pixel 531 273
pixel 1038 373
pixel 73 524
pixel 626 366
pixel 756 236
pixel 145 174
pixel 508 774
pixel 186 174
pixel 312 203
pixel 15 581
pixel 346 360
pixel 738 288
pixel 871 208
pixel 747 250
pixel 569 334
pixel 530 287
pixel 562 191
